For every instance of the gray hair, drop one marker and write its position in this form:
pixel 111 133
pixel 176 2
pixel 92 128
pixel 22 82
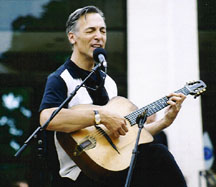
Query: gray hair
pixel 74 17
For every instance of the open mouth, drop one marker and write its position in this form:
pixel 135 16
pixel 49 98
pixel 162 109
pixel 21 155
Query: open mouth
pixel 96 46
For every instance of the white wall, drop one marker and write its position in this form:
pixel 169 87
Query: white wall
pixel 162 57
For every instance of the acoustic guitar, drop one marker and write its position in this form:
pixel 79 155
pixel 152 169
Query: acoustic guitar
pixel 98 154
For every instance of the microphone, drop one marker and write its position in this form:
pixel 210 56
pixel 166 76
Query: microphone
pixel 99 55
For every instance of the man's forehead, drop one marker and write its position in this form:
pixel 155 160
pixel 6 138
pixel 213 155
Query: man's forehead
pixel 91 20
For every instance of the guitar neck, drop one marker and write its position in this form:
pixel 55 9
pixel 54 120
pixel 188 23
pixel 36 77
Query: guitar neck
pixel 153 107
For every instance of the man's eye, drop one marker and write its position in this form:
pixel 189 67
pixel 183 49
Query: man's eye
pixel 89 31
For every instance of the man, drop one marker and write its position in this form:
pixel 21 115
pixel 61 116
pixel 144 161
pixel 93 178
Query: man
pixel 86 31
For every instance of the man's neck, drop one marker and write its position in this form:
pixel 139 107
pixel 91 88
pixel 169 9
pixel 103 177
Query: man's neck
pixel 82 62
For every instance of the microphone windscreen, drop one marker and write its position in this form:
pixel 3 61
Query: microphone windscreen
pixel 97 52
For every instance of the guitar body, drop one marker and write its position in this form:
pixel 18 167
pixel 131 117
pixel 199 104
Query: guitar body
pixel 102 160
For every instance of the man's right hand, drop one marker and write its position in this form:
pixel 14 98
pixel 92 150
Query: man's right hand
pixel 115 123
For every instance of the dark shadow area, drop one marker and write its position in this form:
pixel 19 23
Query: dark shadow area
pixel 207 58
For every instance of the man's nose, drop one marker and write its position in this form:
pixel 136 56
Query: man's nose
pixel 98 35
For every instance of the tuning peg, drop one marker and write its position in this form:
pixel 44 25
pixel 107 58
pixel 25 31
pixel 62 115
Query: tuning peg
pixel 203 90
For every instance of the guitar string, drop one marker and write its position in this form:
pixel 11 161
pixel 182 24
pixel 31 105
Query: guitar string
pixel 97 134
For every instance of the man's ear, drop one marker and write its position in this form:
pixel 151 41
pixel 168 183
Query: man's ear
pixel 71 38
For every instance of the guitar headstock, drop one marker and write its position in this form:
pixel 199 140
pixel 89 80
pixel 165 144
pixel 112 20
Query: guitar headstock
pixel 196 88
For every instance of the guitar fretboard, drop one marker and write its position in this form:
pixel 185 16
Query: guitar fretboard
pixel 153 107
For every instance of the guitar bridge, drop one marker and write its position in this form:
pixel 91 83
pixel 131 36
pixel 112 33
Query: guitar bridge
pixel 88 143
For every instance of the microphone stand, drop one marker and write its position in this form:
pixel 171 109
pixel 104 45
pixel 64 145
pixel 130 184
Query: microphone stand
pixel 140 120
pixel 66 101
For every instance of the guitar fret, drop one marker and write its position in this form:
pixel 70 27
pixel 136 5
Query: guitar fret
pixel 159 105
pixel 184 90
pixel 150 112
pixel 153 107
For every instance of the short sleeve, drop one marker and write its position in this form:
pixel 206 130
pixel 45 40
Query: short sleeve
pixel 55 93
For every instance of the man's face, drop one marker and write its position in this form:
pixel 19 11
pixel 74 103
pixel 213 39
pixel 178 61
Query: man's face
pixel 90 34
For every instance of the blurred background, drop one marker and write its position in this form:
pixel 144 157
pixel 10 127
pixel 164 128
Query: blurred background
pixel 33 44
